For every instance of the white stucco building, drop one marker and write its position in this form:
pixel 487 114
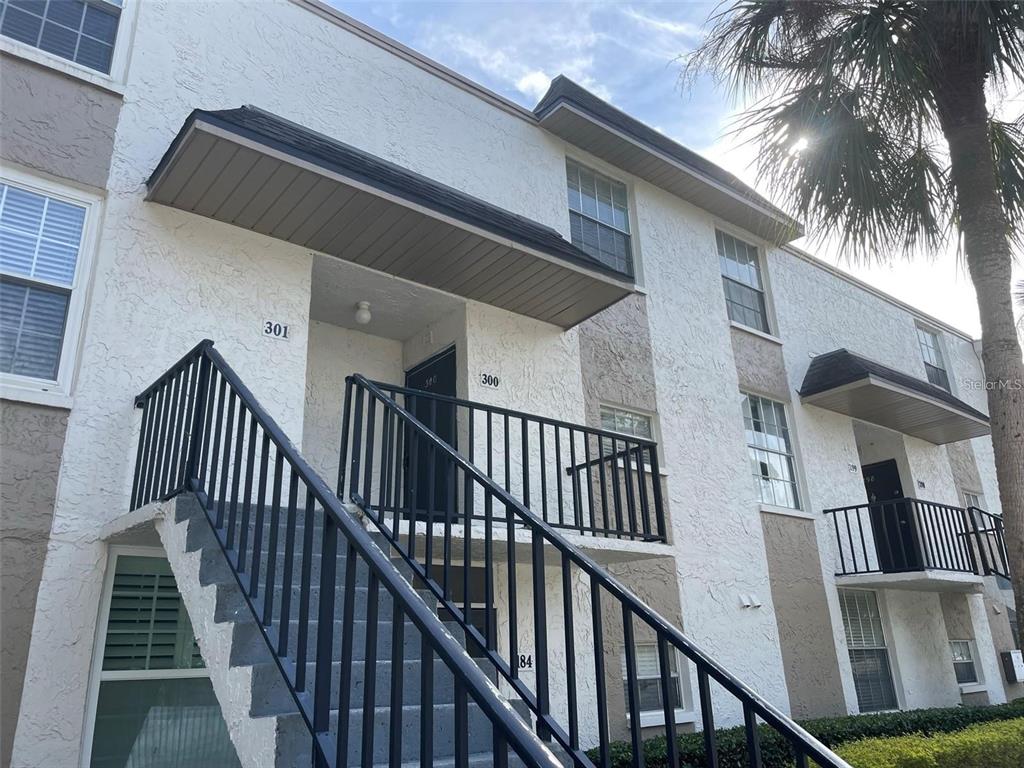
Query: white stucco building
pixel 811 496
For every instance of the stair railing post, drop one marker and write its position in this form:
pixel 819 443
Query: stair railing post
pixel 198 416
pixel 973 518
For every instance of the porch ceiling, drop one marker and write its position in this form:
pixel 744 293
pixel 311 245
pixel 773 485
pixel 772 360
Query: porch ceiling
pixel 257 171
pixel 863 389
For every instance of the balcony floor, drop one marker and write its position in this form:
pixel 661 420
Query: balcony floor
pixel 918 581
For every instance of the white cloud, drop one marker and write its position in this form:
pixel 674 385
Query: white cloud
pixel 684 29
pixel 533 84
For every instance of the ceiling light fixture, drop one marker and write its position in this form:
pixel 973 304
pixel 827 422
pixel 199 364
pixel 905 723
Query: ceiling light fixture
pixel 363 315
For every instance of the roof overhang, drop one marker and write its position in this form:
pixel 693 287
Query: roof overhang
pixel 577 116
pixel 260 172
pixel 866 390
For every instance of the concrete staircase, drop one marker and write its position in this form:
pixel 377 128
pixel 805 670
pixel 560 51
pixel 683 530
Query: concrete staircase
pixel 262 717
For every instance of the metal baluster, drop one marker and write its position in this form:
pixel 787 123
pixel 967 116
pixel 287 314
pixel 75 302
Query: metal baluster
pixel 173 417
pixel 489 569
pixel 236 475
pixel 397 684
pixel 543 474
pixel 540 631
pixel 229 432
pixel 161 441
pixel 849 538
pixel 461 726
pixel 590 481
pixel 632 687
pixel 752 735
pixel 558 477
pixel 644 501
pixel 707 717
pixel 413 489
pixel 863 540
pixel 271 547
pixel 668 696
pixel 371 423
pixel 369 667
pixel 602 689
pixel 574 482
pixel 659 508
pixel 144 430
pixel 383 490
pixel 426 703
pixel 602 477
pixel 570 651
pixel 285 618
pixel 507 456
pixel 513 626
pixel 257 532
pixel 243 536
pixel 348 610
pixel 346 414
pixel 613 459
pixel 247 495
pixel 302 642
pixel 189 428
pixel 325 630
pixel 524 437
pixel 215 452
pixel 210 391
pixel 357 441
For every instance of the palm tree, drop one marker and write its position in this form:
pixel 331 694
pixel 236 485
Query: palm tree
pixel 872 124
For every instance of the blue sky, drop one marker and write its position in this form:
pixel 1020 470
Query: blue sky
pixel 628 55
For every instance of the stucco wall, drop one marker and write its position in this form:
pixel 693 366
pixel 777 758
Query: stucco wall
pixel 919 649
pixel 335 353
pixel 801 609
pixel 56 123
pixel 760 366
pixel 31 440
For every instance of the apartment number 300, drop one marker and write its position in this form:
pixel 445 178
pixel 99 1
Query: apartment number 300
pixel 490 380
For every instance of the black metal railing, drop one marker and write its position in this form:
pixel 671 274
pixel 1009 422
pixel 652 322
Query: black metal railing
pixel 311 575
pixel 591 481
pixel 907 535
pixel 573 605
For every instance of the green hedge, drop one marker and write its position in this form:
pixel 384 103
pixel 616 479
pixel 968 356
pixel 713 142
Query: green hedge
pixel 831 731
pixel 989 745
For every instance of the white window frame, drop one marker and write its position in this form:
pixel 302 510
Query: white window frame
pixel 894 671
pixel 762 265
pixel 979 497
pixel 45 391
pixel 602 406
pixel 801 510
pixel 978 683
pixel 599 169
pixel 940 346
pixel 654 717
pixel 96 673
pixel 114 81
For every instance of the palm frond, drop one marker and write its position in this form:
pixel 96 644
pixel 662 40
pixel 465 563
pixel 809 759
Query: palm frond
pixel 1008 151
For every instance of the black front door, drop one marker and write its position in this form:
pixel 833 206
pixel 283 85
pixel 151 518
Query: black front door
pixel 892 518
pixel 436 376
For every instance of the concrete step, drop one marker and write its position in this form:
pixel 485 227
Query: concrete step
pixel 271 699
pixel 249 647
pixel 294 740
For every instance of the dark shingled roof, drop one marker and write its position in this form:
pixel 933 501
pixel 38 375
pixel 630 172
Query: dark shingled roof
pixel 320 150
pixel 840 367
pixel 563 89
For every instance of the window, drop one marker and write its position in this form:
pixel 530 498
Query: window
pixel 648 674
pixel 42 249
pixel 963 661
pixel 599 217
pixel 974 499
pixel 82 31
pixel 869 658
pixel 741 276
pixel 771 451
pixel 626 422
pixel 154 703
pixel 931 352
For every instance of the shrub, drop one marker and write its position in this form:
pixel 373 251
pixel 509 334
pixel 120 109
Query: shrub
pixel 988 745
pixel 832 732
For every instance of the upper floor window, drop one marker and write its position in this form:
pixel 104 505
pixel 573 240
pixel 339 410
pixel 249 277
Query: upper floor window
pixel 82 31
pixel 741 276
pixel 974 499
pixel 42 239
pixel 771 451
pixel 931 352
pixel 599 217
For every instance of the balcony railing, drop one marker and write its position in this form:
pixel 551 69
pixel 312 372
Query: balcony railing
pixel 911 535
pixel 590 481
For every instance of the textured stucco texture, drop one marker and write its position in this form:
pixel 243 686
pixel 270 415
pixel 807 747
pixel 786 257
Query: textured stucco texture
pixel 31 440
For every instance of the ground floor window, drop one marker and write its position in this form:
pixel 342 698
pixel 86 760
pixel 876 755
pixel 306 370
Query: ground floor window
pixel 648 676
pixel 152 702
pixel 869 657
pixel 963 661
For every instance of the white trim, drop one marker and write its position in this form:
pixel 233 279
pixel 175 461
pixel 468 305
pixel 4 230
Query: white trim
pixel 973 688
pixel 773 509
pixel 114 82
pixel 651 718
pixel 58 393
pixel 96 673
pixel 754 332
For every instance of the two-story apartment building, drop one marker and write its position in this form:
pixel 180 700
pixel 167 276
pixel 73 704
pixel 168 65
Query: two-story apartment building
pixel 649 466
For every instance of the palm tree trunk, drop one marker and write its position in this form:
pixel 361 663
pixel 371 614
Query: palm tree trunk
pixel 985 229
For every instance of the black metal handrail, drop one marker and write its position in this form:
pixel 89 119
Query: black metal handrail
pixel 377 435
pixel 203 431
pixel 908 535
pixel 613 486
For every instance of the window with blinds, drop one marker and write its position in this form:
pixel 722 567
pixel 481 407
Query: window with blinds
pixel 869 657
pixel 82 31
pixel 40 243
pixel 770 447
pixel 963 661
pixel 931 353
pixel 148 627
pixel 599 217
pixel 648 673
